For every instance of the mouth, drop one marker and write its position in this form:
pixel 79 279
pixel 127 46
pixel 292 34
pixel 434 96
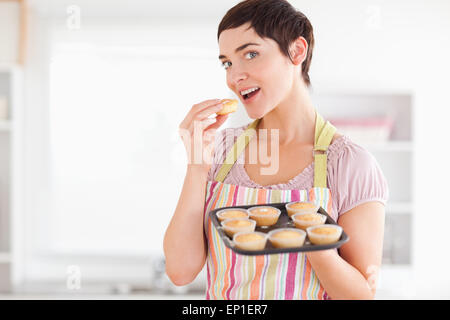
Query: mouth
pixel 248 95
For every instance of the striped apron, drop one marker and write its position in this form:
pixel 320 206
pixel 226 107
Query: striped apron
pixel 276 276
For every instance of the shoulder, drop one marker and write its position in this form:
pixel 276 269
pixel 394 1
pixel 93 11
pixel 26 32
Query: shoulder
pixel 355 156
pixel 336 136
pixel 344 152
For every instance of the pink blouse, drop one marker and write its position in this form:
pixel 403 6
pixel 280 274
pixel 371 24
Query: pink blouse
pixel 353 174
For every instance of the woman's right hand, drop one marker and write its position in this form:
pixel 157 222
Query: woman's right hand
pixel 197 131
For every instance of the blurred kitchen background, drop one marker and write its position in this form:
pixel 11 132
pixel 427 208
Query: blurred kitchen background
pixel 91 164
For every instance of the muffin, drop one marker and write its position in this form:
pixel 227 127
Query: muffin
pixel 232 226
pixel 305 220
pixel 250 240
pixel 324 234
pixel 264 215
pixel 231 214
pixel 287 237
pixel 229 106
pixel 301 207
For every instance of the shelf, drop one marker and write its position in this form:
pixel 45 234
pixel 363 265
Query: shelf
pixel 5 257
pixel 5 125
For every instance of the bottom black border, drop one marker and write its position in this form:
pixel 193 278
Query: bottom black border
pixel 202 309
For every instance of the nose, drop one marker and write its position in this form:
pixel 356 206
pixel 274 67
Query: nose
pixel 236 76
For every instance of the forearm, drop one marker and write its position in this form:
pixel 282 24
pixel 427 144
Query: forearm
pixel 184 244
pixel 340 279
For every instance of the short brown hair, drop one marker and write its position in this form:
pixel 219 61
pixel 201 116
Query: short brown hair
pixel 274 19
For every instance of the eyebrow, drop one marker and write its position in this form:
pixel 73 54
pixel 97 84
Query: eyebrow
pixel 240 48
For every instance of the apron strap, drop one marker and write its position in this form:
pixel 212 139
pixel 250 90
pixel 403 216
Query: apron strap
pixel 238 147
pixel 324 133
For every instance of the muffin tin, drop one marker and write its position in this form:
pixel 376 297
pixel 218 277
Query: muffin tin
pixel 283 222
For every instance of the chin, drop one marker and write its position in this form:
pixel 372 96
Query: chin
pixel 255 114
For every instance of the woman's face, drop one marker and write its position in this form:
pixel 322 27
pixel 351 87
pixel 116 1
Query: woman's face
pixel 261 65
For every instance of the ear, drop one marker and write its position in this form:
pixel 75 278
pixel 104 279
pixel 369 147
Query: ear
pixel 298 50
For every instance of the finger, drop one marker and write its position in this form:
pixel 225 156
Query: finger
pixel 208 111
pixel 207 123
pixel 220 119
pixel 204 104
pixel 197 109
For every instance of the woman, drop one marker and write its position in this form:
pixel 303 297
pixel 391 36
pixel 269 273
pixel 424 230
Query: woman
pixel 267 44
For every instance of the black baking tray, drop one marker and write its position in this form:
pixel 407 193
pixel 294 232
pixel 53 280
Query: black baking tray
pixel 283 222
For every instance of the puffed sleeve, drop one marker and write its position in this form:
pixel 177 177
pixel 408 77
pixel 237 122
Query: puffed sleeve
pixel 358 179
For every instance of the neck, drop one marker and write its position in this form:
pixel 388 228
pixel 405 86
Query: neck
pixel 295 117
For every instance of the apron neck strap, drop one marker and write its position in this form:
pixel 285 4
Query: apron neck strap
pixel 238 148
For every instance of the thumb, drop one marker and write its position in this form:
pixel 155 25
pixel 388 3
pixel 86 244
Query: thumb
pixel 220 119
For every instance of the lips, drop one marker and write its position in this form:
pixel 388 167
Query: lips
pixel 251 94
pixel 244 91
pixel 248 98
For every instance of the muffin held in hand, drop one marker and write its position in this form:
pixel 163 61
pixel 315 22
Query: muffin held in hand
pixel 229 106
